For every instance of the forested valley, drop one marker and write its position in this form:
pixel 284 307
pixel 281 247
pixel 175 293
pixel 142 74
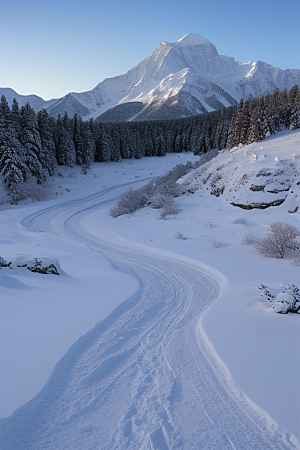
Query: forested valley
pixel 32 145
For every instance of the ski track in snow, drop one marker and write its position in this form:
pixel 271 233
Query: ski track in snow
pixel 144 378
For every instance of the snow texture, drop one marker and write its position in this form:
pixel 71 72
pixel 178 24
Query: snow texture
pixel 149 375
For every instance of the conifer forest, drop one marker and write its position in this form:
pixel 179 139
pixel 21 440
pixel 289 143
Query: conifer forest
pixel 33 145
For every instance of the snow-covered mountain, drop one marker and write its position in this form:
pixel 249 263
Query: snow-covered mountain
pixel 179 79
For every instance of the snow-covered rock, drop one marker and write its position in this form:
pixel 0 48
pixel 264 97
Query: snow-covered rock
pixel 250 183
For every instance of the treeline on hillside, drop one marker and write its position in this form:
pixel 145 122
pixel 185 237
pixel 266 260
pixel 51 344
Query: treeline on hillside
pixel 258 118
pixel 33 145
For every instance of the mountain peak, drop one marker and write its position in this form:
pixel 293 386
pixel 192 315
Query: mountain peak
pixel 193 39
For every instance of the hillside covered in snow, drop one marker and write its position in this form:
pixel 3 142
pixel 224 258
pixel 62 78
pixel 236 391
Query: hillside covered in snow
pixel 256 176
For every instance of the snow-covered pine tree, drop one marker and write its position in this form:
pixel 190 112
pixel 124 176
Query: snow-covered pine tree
pixel 160 146
pixel 235 134
pixel 31 140
pixel 46 129
pixel 116 144
pixel 69 142
pixel 78 138
pixel 103 148
pixel 13 168
pixel 257 130
pixel 294 103
pixel 89 145
pixel 65 147
pixel 170 140
pixel 178 144
pixel 148 140
pixel 15 111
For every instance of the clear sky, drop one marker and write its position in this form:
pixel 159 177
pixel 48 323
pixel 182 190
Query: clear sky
pixel 52 47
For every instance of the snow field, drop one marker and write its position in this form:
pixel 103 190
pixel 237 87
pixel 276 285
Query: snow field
pixel 155 380
pixel 42 316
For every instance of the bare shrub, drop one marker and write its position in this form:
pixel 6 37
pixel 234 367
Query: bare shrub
pixel 215 243
pixel 129 202
pixel 157 194
pixel 210 224
pixel 23 191
pixel 169 208
pixel 280 238
pixel 157 202
pixel 180 236
pixel 249 239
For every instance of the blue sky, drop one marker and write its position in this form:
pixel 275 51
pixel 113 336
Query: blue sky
pixel 51 47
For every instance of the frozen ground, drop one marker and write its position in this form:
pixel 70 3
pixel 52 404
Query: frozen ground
pixel 144 371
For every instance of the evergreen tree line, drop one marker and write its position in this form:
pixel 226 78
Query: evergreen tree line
pixel 258 118
pixel 33 145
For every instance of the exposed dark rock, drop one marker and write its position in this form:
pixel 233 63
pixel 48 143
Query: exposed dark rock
pixel 276 191
pixel 256 188
pixel 293 211
pixel 263 205
pixel 264 173
pixel 39 268
pixel 4 263
pixel 217 191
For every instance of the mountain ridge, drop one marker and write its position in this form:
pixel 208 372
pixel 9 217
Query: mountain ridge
pixel 179 79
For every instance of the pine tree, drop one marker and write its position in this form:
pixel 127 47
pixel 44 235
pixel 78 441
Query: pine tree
pixel 16 116
pixel 31 140
pixel 65 147
pixel 13 169
pixel 294 103
pixel 178 144
pixel 257 131
pixel 160 146
pixel 116 145
pixel 235 135
pixel 78 138
pixel 89 145
pixel 46 125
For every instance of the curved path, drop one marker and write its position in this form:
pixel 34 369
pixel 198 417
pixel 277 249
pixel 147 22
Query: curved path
pixel 143 378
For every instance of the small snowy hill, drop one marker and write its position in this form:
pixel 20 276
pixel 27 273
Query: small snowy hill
pixel 257 176
pixel 179 79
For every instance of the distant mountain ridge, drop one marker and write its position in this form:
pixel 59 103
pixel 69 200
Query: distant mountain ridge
pixel 180 79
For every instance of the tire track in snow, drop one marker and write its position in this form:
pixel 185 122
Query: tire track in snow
pixel 143 378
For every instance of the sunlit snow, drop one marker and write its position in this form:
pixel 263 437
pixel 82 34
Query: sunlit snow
pixel 144 385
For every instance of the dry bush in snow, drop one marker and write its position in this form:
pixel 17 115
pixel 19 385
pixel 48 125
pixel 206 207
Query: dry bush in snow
pixel 280 238
pixel 158 194
pixel 249 239
pixel 169 208
pixel 180 236
pixel 129 202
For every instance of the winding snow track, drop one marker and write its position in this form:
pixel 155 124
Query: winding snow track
pixel 144 378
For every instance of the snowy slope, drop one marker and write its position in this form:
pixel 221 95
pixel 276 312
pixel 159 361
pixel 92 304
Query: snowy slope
pixel 181 78
pixel 257 176
pixel 147 376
